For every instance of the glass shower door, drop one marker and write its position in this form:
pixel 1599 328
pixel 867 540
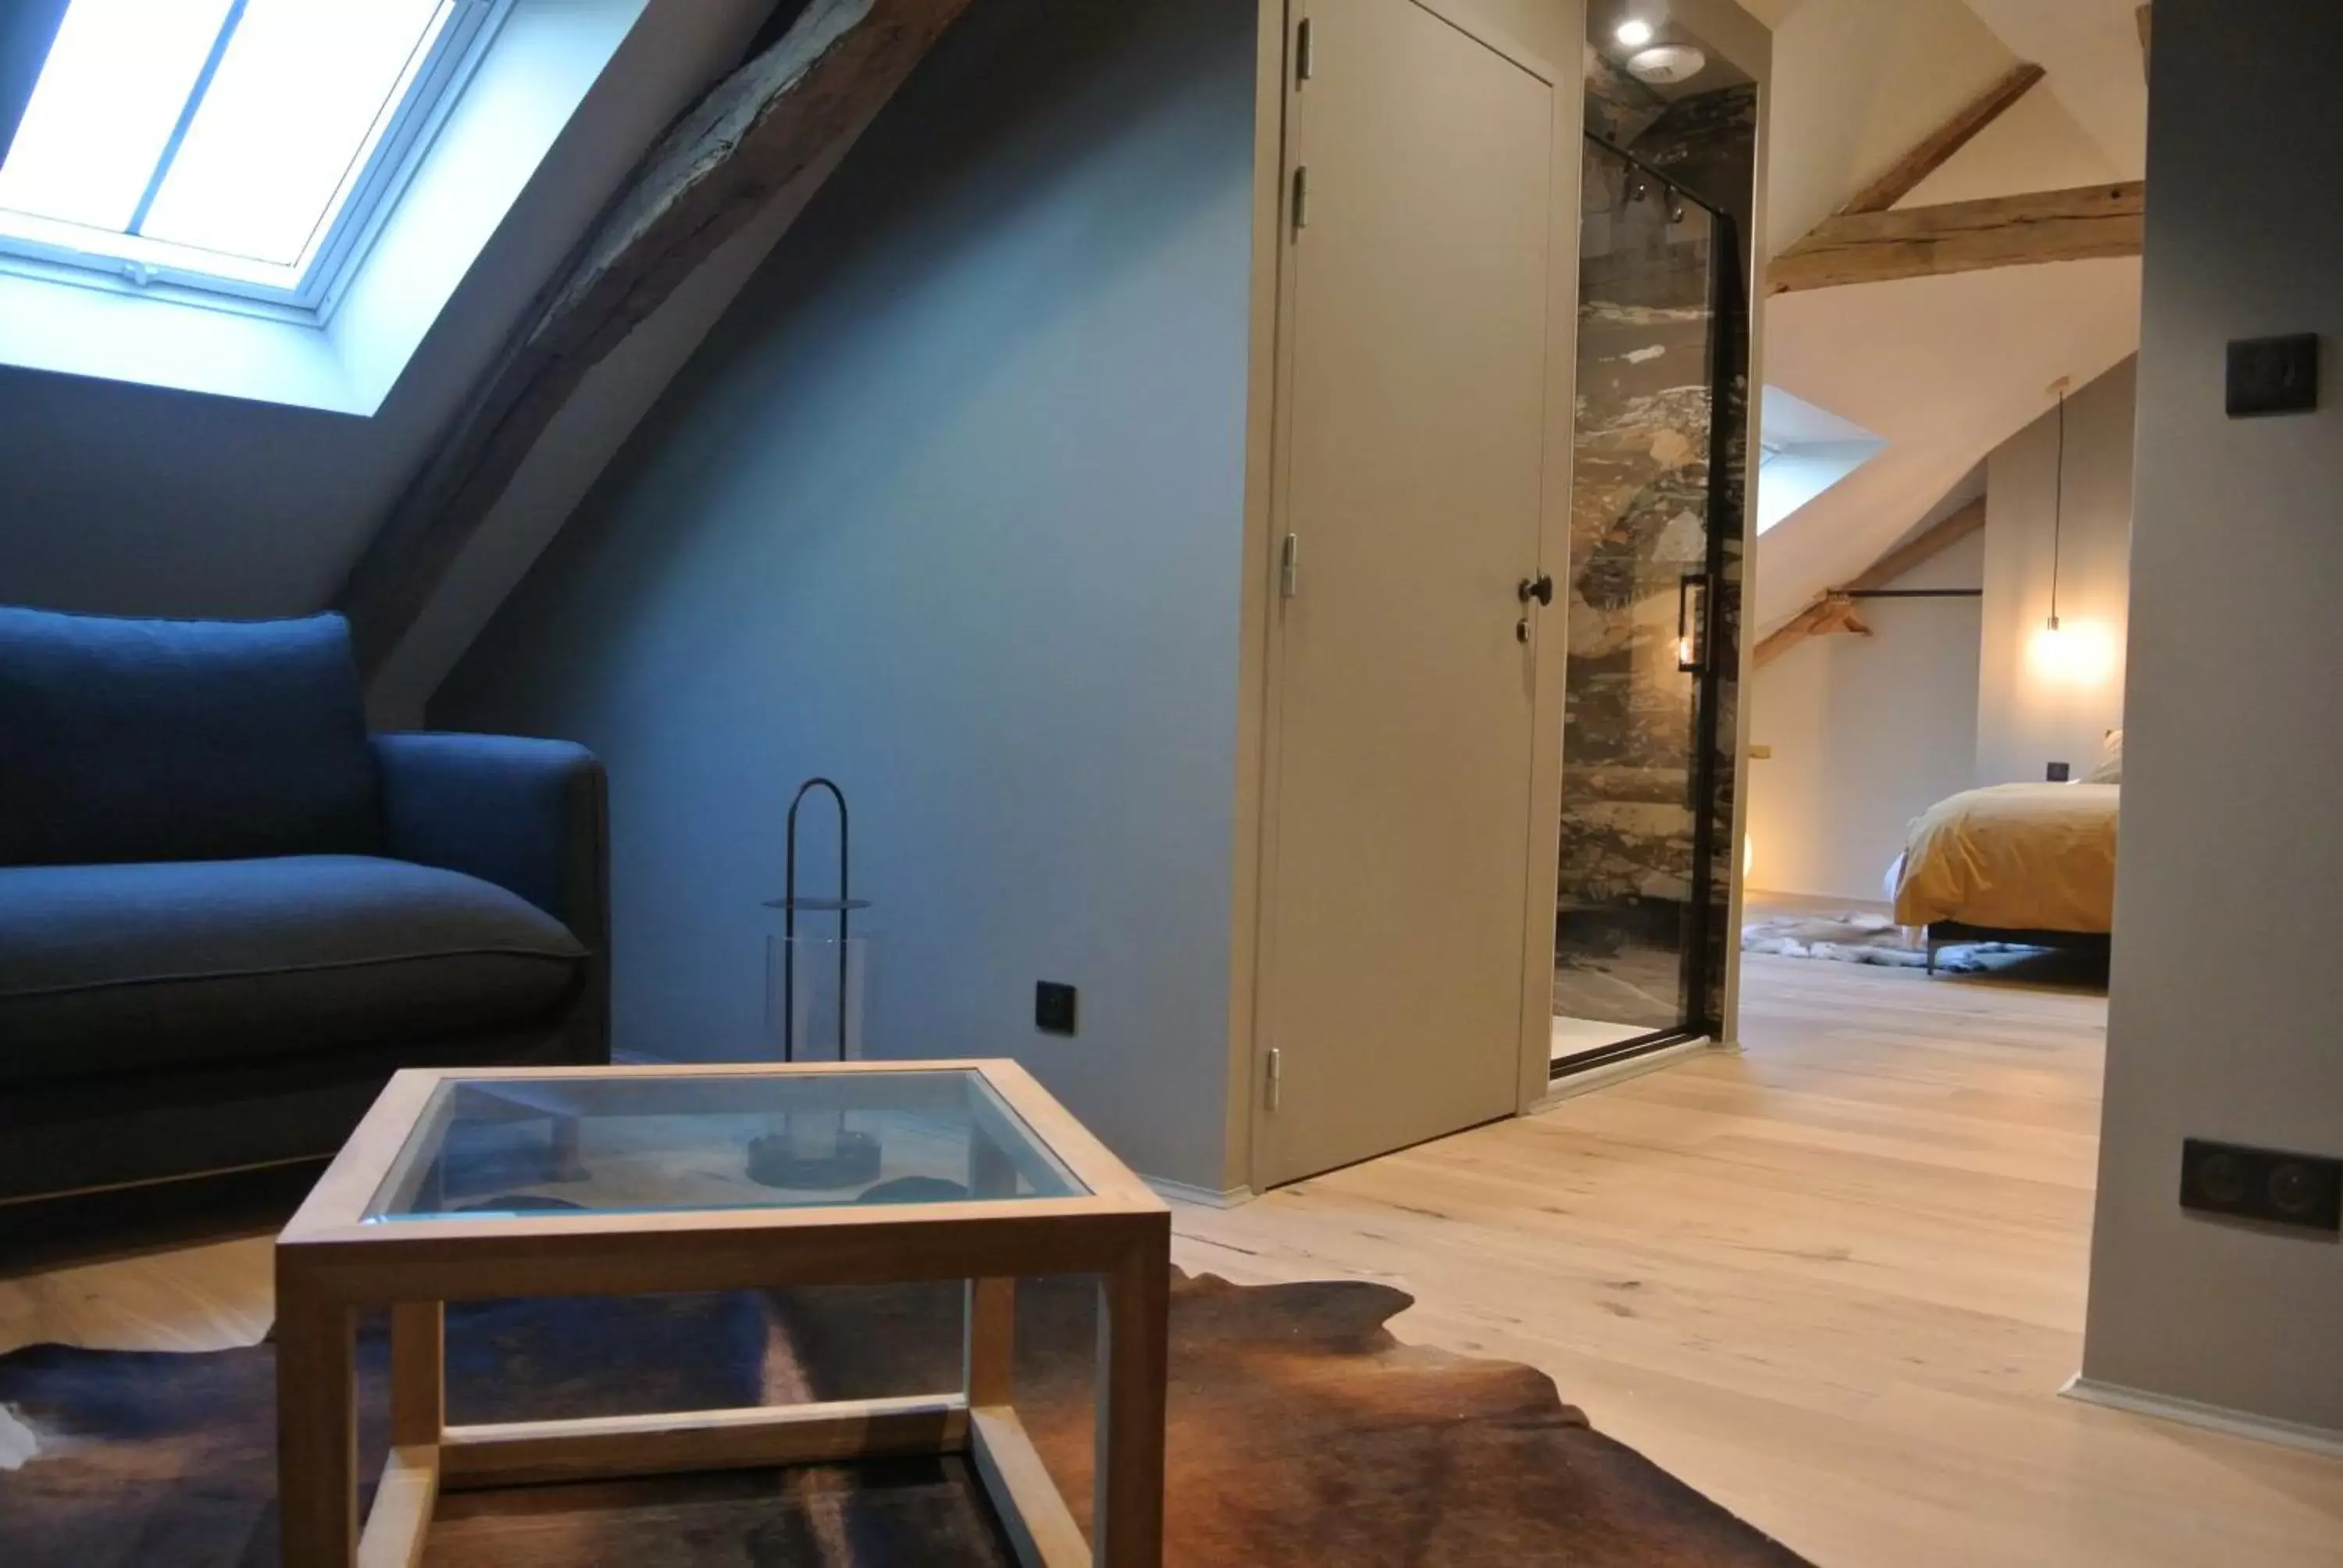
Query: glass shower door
pixel 1632 928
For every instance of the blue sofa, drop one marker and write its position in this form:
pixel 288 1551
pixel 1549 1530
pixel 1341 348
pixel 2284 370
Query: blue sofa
pixel 228 913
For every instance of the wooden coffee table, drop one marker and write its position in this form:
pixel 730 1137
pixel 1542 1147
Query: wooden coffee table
pixel 440 1195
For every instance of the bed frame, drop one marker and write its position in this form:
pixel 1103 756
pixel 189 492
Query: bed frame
pixel 1951 934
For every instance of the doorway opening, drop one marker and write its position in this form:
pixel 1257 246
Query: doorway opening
pixel 1657 514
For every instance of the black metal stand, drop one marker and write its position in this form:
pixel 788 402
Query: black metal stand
pixel 854 1157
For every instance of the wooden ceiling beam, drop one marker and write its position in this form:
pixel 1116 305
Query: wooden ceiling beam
pixel 2032 230
pixel 1936 149
pixel 770 131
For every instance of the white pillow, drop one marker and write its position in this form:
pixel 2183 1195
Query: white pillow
pixel 2108 769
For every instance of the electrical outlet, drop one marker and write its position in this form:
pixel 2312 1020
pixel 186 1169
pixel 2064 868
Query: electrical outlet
pixel 1055 1009
pixel 2271 1185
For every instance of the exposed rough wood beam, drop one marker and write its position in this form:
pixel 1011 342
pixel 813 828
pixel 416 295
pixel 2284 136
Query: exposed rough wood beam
pixel 769 133
pixel 1938 147
pixel 2030 230
pixel 1834 610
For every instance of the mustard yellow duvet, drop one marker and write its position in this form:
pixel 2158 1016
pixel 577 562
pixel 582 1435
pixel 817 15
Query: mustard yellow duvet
pixel 2025 857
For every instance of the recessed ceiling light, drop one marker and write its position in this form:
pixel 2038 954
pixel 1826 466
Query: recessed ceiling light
pixel 1664 64
pixel 1635 31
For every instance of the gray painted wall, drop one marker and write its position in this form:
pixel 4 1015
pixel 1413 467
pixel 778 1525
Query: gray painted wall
pixel 1867 732
pixel 948 508
pixel 2033 710
pixel 2223 1018
pixel 138 500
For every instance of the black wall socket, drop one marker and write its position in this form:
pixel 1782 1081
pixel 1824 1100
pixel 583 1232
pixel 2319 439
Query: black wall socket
pixel 2271 1185
pixel 1055 1010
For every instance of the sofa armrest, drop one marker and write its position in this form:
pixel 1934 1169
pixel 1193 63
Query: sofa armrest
pixel 530 816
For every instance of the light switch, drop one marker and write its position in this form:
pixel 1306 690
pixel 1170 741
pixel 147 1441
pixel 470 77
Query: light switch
pixel 2273 376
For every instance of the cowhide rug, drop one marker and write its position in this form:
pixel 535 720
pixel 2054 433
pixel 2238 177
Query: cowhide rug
pixel 1300 1432
pixel 1857 938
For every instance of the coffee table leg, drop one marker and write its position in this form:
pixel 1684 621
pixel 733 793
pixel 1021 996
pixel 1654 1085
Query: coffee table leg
pixel 991 1342
pixel 1127 1512
pixel 417 1372
pixel 991 1332
pixel 317 1427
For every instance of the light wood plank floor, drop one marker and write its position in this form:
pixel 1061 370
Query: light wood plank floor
pixel 1834 1283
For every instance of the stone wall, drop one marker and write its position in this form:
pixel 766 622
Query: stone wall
pixel 1643 498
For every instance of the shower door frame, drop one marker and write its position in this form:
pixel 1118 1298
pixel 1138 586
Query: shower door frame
pixel 1701 974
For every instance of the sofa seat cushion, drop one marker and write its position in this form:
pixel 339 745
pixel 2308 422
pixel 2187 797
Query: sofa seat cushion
pixel 177 964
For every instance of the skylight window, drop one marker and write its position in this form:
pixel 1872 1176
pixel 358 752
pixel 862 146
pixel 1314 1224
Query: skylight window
pixel 234 146
pixel 1803 451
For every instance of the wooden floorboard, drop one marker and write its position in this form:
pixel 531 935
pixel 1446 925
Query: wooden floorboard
pixel 1834 1283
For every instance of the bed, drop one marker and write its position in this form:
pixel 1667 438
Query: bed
pixel 2033 864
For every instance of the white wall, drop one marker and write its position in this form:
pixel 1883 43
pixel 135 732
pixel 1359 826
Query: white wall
pixel 1952 694
pixel 951 509
pixel 2223 1018
pixel 2037 703
pixel 132 500
pixel 1866 733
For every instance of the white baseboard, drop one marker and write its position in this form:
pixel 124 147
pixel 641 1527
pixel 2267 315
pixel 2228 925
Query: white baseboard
pixel 2317 1440
pixel 1597 1078
pixel 1181 1192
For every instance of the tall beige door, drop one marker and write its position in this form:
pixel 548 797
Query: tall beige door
pixel 1413 440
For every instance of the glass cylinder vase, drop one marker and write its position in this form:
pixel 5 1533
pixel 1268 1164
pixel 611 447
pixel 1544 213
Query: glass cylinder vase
pixel 817 989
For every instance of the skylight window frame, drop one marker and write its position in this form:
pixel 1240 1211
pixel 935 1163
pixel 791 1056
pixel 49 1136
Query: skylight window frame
pixel 307 290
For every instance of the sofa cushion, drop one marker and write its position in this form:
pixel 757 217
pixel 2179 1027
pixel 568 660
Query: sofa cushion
pixel 128 740
pixel 107 968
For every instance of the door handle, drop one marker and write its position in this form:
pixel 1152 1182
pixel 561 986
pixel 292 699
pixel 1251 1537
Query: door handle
pixel 1691 655
pixel 1539 588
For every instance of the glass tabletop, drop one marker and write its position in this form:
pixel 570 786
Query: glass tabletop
pixel 497 1147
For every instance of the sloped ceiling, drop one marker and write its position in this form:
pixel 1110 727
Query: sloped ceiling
pixel 1944 368
pixel 129 499
pixel 2091 49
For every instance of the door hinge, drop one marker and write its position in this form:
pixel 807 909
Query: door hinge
pixel 1305 58
pixel 1289 568
pixel 1273 1078
pixel 1301 198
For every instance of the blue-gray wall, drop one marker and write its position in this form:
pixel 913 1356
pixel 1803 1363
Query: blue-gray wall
pixel 948 508
pixel 2222 1016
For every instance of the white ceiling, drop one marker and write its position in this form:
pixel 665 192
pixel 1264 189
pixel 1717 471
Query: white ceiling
pixel 2091 49
pixel 1944 368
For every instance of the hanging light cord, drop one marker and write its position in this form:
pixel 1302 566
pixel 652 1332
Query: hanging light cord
pixel 2058 509
pixel 2058 502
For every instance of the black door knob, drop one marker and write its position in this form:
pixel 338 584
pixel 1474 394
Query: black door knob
pixel 1539 588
